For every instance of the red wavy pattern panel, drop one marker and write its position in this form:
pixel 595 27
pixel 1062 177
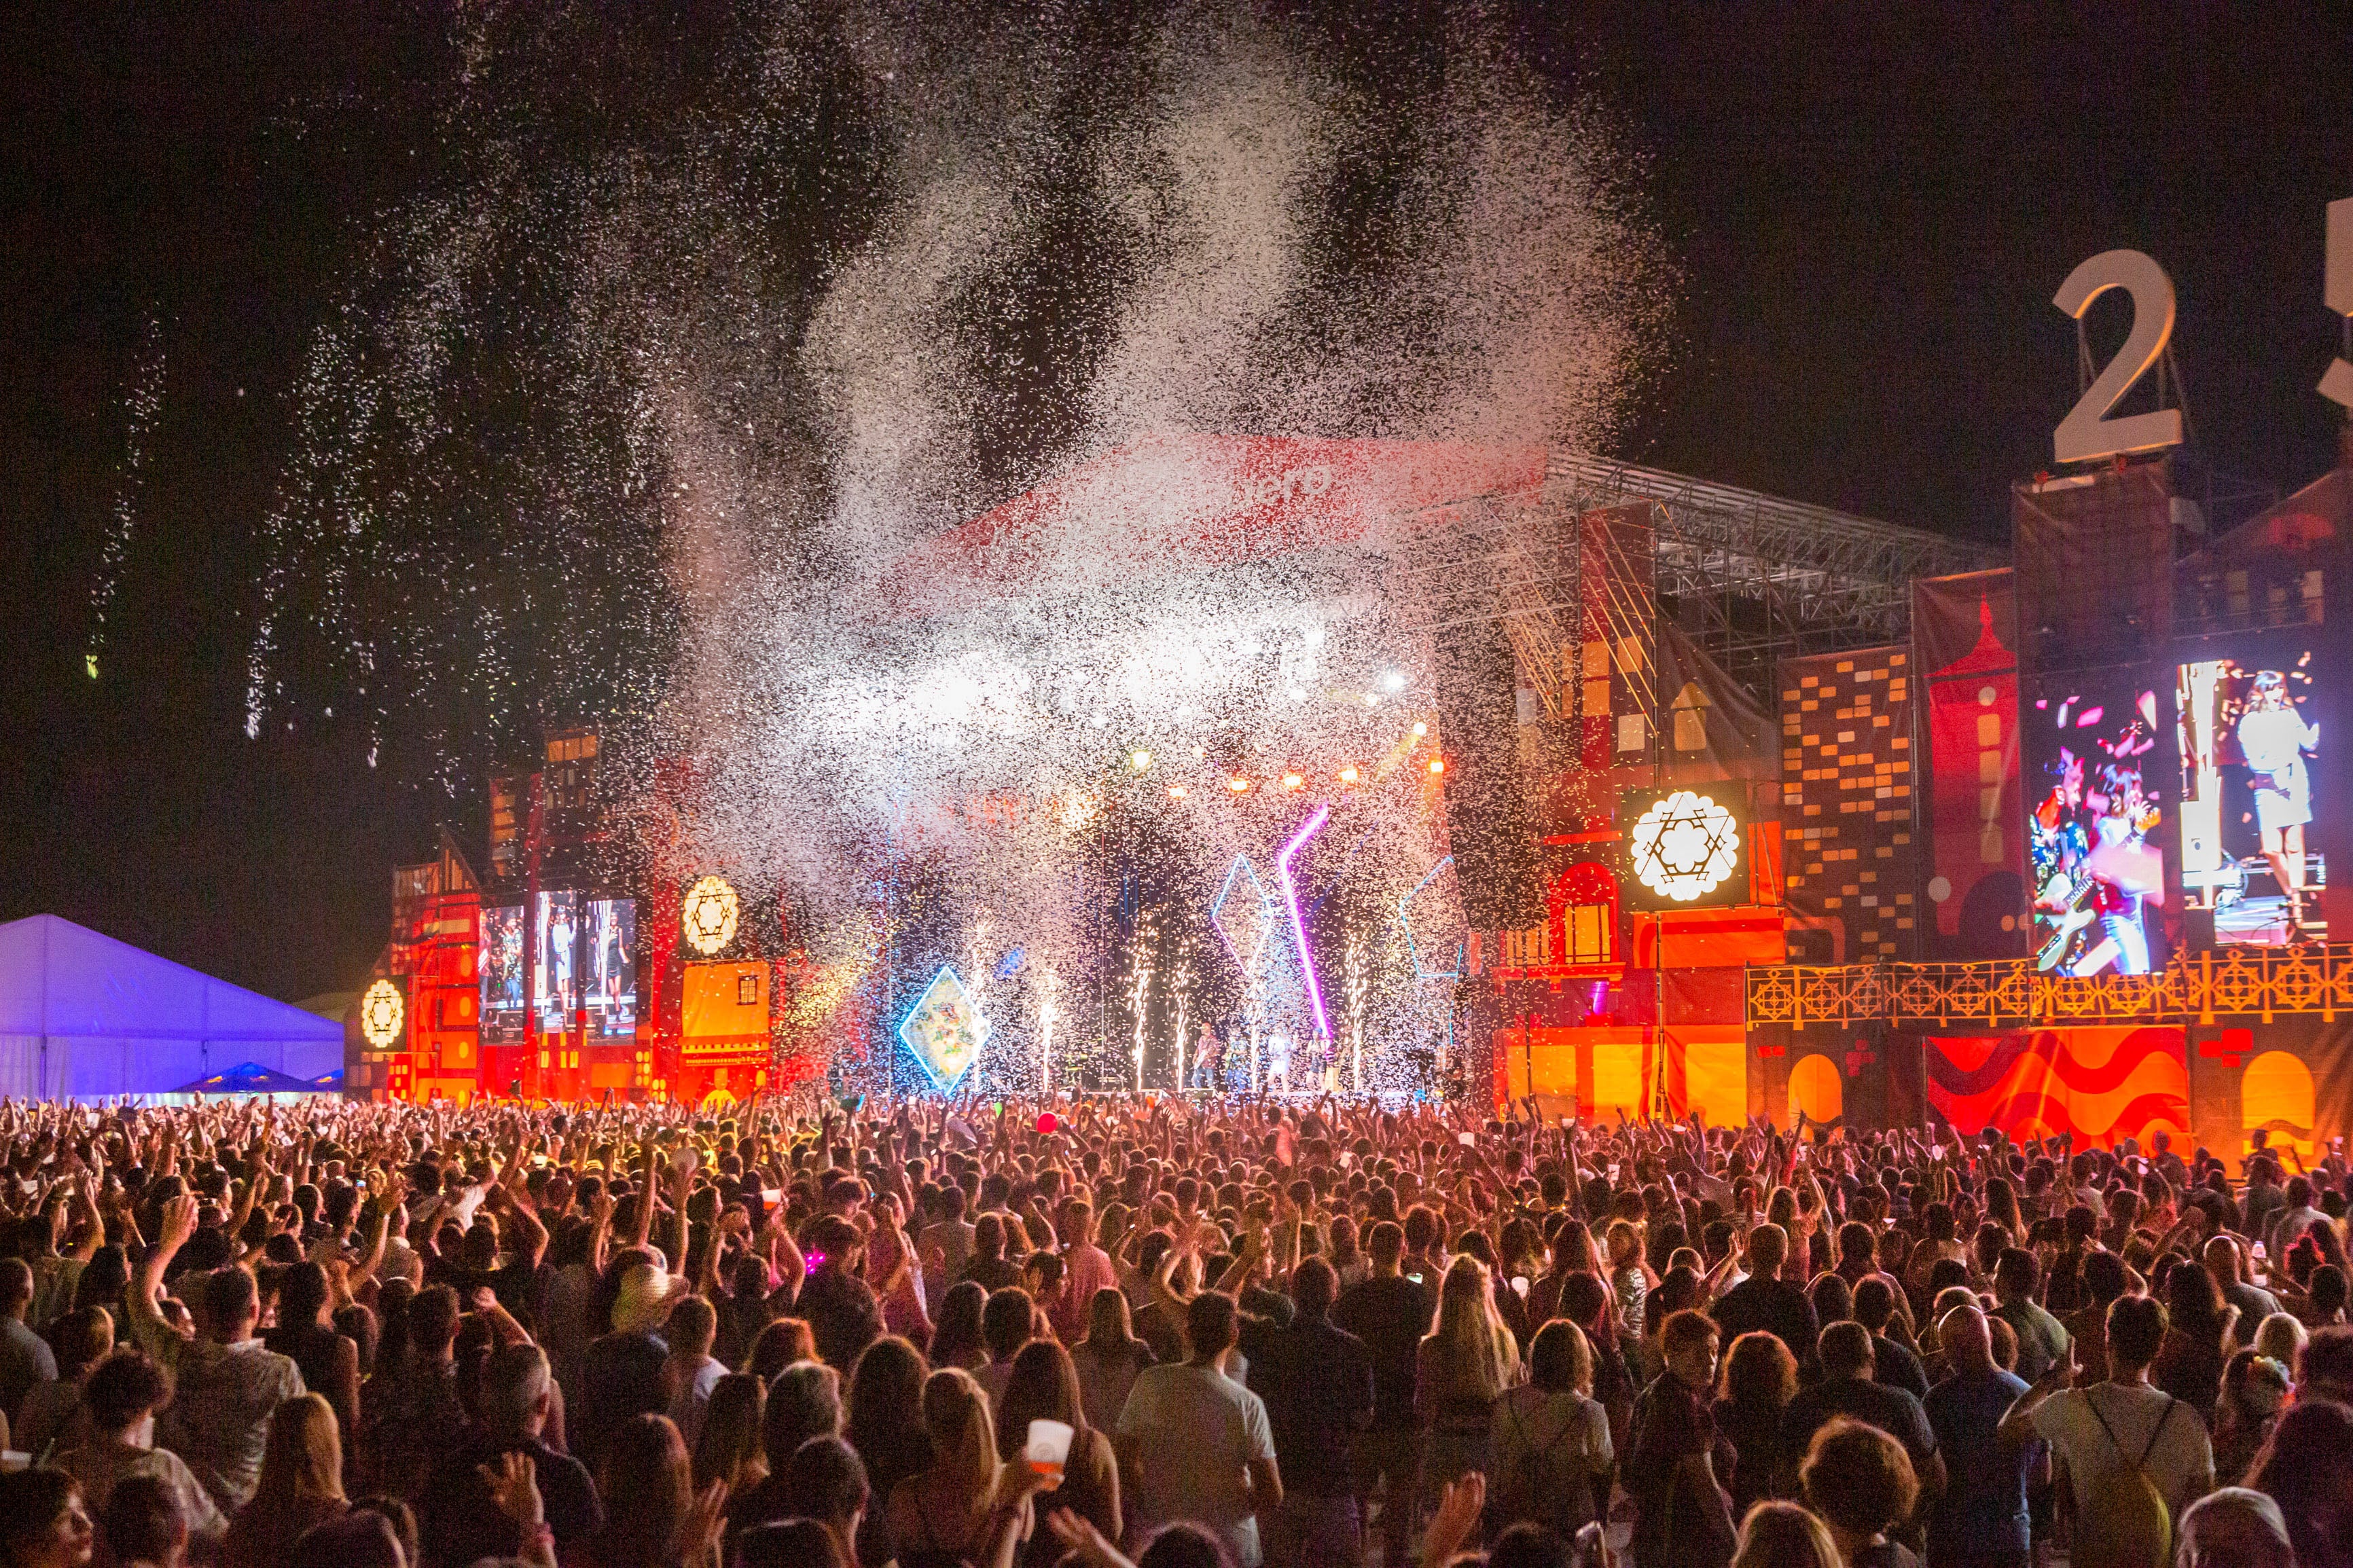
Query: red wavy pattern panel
pixel 2100 1084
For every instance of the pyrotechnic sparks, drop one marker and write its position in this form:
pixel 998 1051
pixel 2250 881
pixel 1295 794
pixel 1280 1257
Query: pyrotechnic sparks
pixel 865 279
pixel 143 406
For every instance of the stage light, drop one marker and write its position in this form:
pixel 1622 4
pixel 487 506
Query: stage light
pixel 382 1011
pixel 1372 699
pixel 1347 775
pixel 1420 729
pixel 1238 784
pixel 945 1030
pixel 1438 765
pixel 709 913
pixel 1685 846
pixel 1141 760
pixel 1293 781
pixel 1176 791
pixel 1393 681
pixel 1307 830
pixel 1298 694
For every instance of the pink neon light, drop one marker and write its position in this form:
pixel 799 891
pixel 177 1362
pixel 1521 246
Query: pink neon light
pixel 1299 927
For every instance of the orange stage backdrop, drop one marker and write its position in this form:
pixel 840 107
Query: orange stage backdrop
pixel 2100 1084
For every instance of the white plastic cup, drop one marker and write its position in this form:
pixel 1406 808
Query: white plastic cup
pixel 1049 1447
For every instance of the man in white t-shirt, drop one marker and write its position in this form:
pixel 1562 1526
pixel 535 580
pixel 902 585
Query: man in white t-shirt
pixel 1195 1444
pixel 2110 1425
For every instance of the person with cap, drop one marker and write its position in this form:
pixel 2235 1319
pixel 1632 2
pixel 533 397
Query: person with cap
pixel 622 1372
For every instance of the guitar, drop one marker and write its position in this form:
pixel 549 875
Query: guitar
pixel 2071 917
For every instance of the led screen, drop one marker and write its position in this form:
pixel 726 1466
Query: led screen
pixel 608 966
pixel 2250 756
pixel 557 977
pixel 502 972
pixel 2094 743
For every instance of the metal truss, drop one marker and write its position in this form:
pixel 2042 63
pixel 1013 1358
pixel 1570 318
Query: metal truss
pixel 2261 982
pixel 1751 578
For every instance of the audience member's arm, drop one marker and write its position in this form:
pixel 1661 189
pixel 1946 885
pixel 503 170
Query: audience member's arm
pixel 179 1223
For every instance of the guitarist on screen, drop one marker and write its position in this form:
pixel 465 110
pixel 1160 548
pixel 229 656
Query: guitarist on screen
pixel 2125 873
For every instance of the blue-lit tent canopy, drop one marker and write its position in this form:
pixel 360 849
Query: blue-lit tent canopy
pixel 252 1078
pixel 83 1015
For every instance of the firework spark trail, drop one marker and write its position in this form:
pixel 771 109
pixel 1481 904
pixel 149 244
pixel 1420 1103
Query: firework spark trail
pixel 144 406
pixel 888 269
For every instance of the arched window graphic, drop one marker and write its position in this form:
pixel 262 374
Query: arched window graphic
pixel 1584 914
pixel 2275 1094
pixel 1815 1088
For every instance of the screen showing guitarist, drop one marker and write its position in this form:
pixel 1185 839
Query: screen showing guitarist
pixel 2095 871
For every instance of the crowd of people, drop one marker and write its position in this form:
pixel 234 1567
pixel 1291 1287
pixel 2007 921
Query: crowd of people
pixel 1134 1332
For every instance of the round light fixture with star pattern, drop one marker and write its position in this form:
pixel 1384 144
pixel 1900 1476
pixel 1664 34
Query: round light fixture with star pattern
pixel 1684 846
pixel 709 913
pixel 382 1012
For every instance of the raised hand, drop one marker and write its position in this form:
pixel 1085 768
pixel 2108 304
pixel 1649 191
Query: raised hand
pixel 514 1481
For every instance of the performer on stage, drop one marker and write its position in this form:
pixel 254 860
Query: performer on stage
pixel 1206 1051
pixel 2274 738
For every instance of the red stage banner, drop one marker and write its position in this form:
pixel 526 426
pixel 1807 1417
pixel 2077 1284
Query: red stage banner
pixel 1965 631
pixel 2100 1084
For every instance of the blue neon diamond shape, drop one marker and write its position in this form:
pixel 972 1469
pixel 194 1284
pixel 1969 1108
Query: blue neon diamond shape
pixel 1249 924
pixel 945 1030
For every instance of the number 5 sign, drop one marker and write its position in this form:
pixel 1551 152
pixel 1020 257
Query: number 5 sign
pixel 2337 289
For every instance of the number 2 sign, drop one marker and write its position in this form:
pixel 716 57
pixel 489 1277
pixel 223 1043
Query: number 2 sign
pixel 2087 432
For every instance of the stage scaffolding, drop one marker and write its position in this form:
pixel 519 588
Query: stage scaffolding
pixel 1750 578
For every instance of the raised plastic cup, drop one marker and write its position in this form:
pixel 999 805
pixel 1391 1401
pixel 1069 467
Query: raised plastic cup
pixel 1048 1449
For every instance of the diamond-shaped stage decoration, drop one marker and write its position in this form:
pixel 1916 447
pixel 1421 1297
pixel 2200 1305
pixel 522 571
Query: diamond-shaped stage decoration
pixel 1244 913
pixel 943 1029
pixel 1684 846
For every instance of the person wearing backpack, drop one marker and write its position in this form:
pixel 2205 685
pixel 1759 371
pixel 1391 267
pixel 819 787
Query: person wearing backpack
pixel 2136 1457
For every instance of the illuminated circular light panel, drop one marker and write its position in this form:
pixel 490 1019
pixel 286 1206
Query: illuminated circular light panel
pixel 1685 846
pixel 382 1012
pixel 1141 760
pixel 1437 764
pixel 709 914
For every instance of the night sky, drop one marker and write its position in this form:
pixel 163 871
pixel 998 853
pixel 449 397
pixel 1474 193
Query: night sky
pixel 1870 214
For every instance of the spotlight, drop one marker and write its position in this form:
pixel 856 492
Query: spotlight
pixel 1371 699
pixel 1347 775
pixel 1298 694
pixel 1141 760
pixel 1176 791
pixel 1438 765
pixel 1420 729
pixel 1393 681
pixel 1238 784
pixel 1293 781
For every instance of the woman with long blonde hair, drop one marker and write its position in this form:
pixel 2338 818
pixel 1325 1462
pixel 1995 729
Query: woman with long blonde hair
pixel 1463 1365
pixel 960 1510
pixel 301 1485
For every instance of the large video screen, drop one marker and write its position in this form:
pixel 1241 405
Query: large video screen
pixel 556 979
pixel 500 968
pixel 608 964
pixel 2098 757
pixel 2249 760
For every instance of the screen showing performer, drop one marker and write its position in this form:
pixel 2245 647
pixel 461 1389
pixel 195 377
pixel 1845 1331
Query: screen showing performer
pixel 500 968
pixel 559 974
pixel 2099 880
pixel 608 961
pixel 2248 754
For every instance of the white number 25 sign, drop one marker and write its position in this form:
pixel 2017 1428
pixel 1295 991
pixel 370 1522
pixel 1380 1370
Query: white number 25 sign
pixel 2088 433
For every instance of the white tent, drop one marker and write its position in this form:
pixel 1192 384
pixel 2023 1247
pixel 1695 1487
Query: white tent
pixel 83 1015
